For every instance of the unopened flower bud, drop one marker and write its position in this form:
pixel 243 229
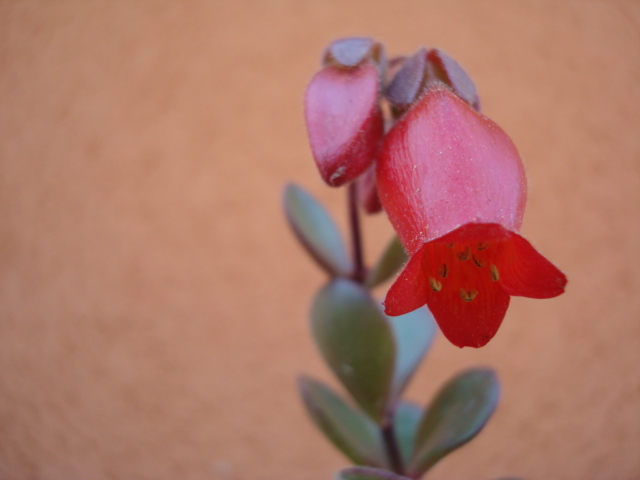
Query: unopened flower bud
pixel 342 110
pixel 422 71
pixel 408 82
pixel 351 52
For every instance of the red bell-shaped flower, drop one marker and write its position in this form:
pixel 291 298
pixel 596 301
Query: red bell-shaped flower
pixel 342 110
pixel 454 188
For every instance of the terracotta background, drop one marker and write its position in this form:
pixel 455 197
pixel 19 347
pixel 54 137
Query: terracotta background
pixel 153 305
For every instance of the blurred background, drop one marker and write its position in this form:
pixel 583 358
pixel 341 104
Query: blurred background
pixel 153 304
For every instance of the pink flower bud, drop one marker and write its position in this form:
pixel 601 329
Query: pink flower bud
pixel 421 72
pixel 342 111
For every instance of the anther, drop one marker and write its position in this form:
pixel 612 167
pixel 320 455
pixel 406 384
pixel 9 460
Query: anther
pixel 477 261
pixel 443 270
pixel 482 245
pixel 495 274
pixel 465 254
pixel 435 284
pixel 468 296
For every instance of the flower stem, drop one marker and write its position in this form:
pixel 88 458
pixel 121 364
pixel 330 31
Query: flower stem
pixel 359 273
pixel 391 445
pixel 356 234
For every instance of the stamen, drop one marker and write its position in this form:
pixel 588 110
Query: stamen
pixel 468 296
pixel 443 270
pixel 465 254
pixel 435 284
pixel 482 245
pixel 478 262
pixel 495 274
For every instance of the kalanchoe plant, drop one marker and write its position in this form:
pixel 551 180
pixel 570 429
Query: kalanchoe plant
pixel 454 189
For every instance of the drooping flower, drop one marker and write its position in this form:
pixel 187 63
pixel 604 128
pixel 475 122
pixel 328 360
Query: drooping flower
pixel 342 110
pixel 454 188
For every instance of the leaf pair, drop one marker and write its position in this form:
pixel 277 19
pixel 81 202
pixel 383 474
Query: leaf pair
pixel 456 415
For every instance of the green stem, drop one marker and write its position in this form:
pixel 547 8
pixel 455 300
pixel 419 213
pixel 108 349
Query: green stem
pixel 391 444
pixel 359 273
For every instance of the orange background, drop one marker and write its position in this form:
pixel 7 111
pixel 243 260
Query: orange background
pixel 153 304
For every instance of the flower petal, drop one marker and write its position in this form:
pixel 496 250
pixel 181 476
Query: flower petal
pixel 409 291
pixel 469 323
pixel 467 304
pixel 454 275
pixel 526 273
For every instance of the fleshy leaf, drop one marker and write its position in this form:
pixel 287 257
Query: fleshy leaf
pixel 414 333
pixel 350 430
pixel 317 232
pixel 391 261
pixel 406 422
pixel 457 414
pixel 367 473
pixel 357 342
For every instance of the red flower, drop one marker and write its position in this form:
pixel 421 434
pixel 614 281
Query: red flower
pixel 454 188
pixel 344 120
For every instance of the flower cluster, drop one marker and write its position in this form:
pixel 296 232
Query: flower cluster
pixel 450 180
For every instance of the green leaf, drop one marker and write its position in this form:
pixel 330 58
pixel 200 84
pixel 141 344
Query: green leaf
pixel 350 430
pixel 406 422
pixel 458 413
pixel 391 261
pixel 414 333
pixel 316 231
pixel 367 473
pixel 356 340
